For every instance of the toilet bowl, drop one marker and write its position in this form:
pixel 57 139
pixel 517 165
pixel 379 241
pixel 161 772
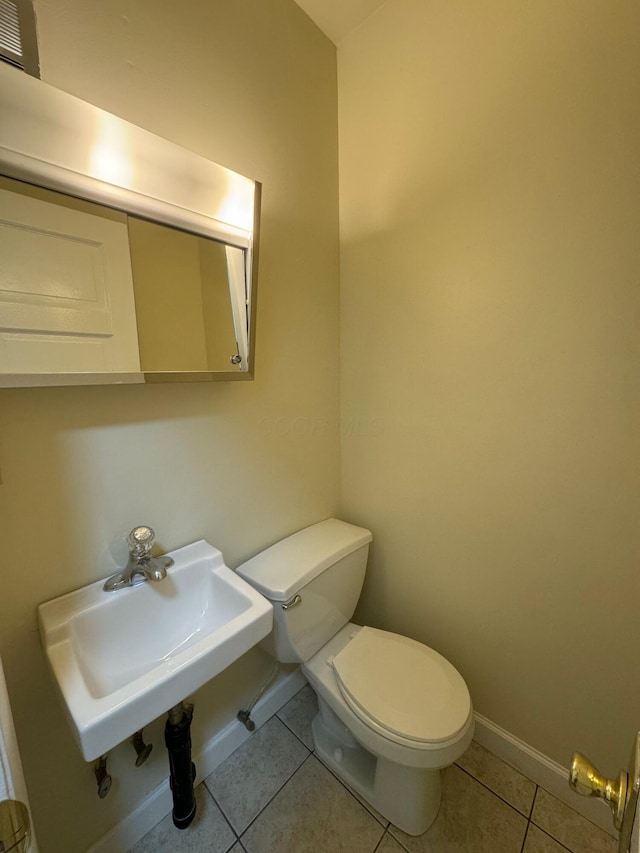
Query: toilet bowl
pixel 392 711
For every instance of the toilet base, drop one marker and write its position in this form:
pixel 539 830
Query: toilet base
pixel 409 797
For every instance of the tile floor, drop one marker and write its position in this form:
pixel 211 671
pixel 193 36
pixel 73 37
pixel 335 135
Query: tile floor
pixel 274 796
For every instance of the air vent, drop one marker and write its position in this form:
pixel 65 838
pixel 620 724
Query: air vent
pixel 18 42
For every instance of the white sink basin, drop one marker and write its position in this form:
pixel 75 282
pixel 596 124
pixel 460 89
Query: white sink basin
pixel 123 658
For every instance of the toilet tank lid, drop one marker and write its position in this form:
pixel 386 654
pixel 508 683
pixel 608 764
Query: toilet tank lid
pixel 283 569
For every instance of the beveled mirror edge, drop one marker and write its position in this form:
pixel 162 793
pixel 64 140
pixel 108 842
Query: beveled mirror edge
pixel 48 380
pixel 46 139
pixel 254 255
pixel 56 380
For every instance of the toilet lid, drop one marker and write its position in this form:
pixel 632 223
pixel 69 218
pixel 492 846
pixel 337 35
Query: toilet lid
pixel 401 686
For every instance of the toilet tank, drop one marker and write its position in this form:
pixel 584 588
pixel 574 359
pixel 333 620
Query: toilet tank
pixel 313 579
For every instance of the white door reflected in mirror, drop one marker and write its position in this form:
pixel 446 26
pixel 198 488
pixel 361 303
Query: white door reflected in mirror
pixel 66 295
pixel 88 289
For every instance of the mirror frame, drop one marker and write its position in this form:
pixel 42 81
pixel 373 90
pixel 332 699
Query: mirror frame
pixel 57 141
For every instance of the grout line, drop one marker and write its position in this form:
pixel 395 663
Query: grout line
pixel 397 840
pixel 387 834
pixel 546 831
pixel 284 723
pixel 491 791
pixel 580 816
pixel 219 804
pixel 349 790
pixel 268 803
pixel 553 838
pixel 297 693
pixel 503 760
pixel 336 777
pixel 222 812
pixel 375 849
pixel 533 801
pixel 524 840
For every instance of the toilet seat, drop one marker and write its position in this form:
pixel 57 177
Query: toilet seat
pixel 402 689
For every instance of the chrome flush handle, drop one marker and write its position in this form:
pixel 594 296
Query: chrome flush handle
pixel 292 602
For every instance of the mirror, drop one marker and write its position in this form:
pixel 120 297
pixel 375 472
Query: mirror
pixel 190 299
pixel 123 258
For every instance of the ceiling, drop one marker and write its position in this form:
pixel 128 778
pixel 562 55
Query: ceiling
pixel 337 18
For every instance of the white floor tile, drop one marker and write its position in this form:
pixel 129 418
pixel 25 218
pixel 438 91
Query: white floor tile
pixel 313 813
pixel 254 773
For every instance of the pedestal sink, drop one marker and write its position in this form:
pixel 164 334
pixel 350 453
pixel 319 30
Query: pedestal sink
pixel 121 659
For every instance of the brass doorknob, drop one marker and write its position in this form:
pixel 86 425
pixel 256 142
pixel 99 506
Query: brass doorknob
pixel 15 831
pixel 587 780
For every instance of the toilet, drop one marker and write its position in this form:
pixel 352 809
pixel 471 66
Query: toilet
pixel 392 711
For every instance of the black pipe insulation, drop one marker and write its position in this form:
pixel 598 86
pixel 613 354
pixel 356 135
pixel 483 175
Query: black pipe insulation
pixel 177 737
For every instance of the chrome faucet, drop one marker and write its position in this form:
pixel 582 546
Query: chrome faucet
pixel 141 566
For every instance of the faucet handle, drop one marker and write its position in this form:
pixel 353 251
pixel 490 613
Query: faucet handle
pixel 140 541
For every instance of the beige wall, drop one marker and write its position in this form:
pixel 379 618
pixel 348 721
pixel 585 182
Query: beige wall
pixel 489 205
pixel 217 313
pixel 490 213
pixel 251 85
pixel 167 285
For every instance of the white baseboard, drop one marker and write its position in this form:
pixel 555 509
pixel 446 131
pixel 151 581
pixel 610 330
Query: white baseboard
pixel 159 803
pixel 531 763
pixel 541 770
